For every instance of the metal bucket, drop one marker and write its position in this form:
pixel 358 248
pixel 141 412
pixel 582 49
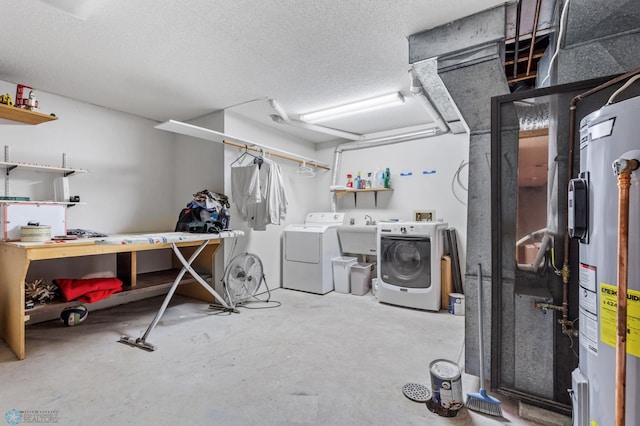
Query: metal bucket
pixel 446 386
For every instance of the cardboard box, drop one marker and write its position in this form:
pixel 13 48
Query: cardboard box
pixel 446 280
pixel 530 253
pixel 13 216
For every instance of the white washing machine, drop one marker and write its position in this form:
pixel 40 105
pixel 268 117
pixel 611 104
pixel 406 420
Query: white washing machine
pixel 307 253
pixel 409 256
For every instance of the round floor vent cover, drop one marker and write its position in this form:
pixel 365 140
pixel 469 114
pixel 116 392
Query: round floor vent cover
pixel 416 392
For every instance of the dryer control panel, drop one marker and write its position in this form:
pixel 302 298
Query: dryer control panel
pixel 324 218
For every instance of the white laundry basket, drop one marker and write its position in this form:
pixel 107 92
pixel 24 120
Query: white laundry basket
pixel 341 271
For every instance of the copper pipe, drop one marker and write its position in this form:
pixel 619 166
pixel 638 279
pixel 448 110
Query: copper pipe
pixel 624 182
pixel 533 35
pixel 566 273
pixel 623 168
pixel 604 85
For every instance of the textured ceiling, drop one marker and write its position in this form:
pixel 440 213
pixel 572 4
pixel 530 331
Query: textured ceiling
pixel 171 59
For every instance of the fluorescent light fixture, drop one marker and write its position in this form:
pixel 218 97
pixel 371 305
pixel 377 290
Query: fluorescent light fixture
pixel 315 128
pixel 367 105
pixel 80 9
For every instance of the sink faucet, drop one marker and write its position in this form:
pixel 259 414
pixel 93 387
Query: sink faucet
pixel 368 221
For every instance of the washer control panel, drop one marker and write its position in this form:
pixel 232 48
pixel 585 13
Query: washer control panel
pixel 408 228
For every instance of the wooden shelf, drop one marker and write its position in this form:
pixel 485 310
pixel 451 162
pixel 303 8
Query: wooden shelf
pixel 24 115
pixel 149 284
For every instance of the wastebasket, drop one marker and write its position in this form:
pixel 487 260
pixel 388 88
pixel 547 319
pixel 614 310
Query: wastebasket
pixel 361 278
pixel 341 271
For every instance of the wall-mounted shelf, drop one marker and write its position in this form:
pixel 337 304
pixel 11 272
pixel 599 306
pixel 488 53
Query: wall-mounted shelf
pixel 60 203
pixel 355 192
pixel 213 135
pixel 351 191
pixel 10 166
pixel 24 115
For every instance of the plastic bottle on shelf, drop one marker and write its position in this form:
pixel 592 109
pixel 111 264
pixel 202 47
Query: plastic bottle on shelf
pixel 378 178
pixel 369 181
pixel 387 178
pixel 358 181
pixel 349 180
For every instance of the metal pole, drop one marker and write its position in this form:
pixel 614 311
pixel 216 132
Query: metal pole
pixel 6 176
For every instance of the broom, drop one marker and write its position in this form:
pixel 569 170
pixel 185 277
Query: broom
pixel 481 402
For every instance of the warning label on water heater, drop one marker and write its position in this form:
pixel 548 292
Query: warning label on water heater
pixel 608 317
pixel 588 308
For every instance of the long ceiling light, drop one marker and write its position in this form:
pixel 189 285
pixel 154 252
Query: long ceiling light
pixel 341 111
pixel 80 9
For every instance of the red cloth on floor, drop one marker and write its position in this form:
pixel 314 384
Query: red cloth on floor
pixel 88 290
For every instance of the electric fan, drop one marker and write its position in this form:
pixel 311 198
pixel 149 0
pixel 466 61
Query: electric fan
pixel 242 278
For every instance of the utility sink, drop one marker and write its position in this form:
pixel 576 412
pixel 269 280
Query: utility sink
pixel 358 239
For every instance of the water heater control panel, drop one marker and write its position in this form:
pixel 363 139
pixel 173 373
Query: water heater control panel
pixel 578 220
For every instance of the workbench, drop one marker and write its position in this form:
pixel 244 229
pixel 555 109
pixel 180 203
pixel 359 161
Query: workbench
pixel 15 258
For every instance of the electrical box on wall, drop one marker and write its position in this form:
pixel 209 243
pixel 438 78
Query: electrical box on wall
pixel 424 215
pixel 13 216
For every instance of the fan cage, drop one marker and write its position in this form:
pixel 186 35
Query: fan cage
pixel 243 278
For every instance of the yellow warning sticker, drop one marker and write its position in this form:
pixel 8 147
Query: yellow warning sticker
pixel 608 317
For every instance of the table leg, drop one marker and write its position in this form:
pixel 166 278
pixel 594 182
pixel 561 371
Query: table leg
pixel 142 341
pixel 13 271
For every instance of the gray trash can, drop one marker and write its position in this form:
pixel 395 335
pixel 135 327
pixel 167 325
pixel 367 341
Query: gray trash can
pixel 361 274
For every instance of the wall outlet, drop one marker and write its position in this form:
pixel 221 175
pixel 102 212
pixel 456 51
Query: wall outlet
pixel 424 215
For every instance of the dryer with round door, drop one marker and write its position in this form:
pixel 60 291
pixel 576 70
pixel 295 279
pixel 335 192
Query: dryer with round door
pixel 409 256
pixel 307 250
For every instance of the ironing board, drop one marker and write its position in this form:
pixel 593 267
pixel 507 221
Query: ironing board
pixel 171 238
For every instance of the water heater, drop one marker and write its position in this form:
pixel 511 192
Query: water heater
pixel 608 134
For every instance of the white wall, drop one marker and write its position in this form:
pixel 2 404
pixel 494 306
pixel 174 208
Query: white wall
pixel 129 187
pixel 444 154
pixel 198 163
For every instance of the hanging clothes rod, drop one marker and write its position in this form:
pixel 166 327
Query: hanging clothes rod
pixel 212 135
pixel 275 154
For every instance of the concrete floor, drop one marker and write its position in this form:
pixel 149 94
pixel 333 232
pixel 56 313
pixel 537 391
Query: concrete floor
pixel 336 359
